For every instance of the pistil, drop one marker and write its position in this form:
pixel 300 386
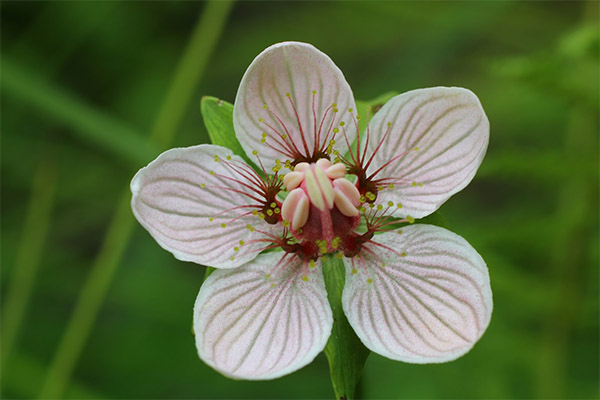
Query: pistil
pixel 321 200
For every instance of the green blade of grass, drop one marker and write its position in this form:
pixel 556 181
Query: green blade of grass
pixel 26 369
pixel 188 73
pixel 84 122
pixel 29 252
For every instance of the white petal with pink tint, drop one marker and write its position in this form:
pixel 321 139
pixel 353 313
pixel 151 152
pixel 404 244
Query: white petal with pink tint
pixel 450 131
pixel 264 319
pixel 422 296
pixel 194 208
pixel 298 69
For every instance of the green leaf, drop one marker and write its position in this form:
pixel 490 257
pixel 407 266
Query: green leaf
pixel 434 219
pixel 218 118
pixel 374 105
pixel 209 270
pixel 344 350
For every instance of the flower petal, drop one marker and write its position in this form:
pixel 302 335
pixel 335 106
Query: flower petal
pixel 422 296
pixel 273 124
pixel 436 142
pixel 263 320
pixel 200 209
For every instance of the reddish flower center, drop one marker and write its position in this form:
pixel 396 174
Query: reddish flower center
pixel 321 205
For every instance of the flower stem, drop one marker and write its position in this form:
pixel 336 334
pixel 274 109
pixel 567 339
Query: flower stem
pixel 188 73
pixel 344 350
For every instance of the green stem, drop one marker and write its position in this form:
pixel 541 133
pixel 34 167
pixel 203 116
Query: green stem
pixel 344 350
pixel 29 252
pixel 187 74
pixel 190 69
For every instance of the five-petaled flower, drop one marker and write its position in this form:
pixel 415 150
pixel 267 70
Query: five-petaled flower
pixel 418 294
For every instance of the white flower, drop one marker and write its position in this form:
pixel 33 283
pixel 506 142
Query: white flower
pixel 419 294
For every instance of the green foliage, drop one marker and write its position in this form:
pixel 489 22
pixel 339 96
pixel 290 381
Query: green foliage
pixel 218 119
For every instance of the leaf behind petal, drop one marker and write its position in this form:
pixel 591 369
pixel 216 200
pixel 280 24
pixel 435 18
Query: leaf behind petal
pixel 218 119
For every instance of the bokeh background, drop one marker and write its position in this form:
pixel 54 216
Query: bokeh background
pixel 92 91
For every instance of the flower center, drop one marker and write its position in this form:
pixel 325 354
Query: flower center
pixel 319 193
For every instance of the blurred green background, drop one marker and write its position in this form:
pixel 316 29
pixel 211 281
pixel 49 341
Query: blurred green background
pixel 92 307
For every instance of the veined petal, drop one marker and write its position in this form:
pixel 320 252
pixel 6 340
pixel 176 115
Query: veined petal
pixel 263 320
pixel 421 296
pixel 437 139
pixel 292 97
pixel 198 208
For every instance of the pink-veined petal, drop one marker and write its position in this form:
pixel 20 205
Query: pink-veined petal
pixel 436 142
pixel 263 320
pixel 278 126
pixel 200 209
pixel 421 296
